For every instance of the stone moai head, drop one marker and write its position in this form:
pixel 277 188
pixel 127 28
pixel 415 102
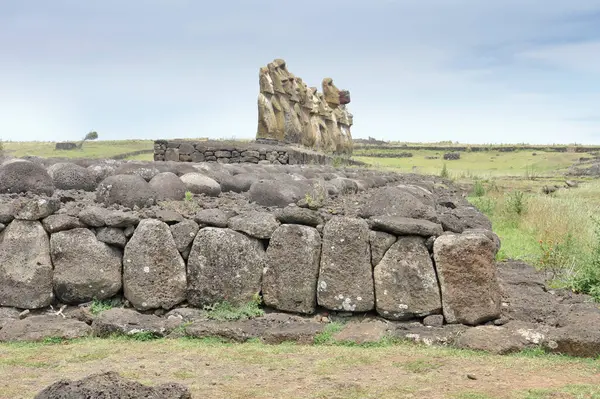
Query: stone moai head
pixel 331 93
pixel 291 88
pixel 276 76
pixel 314 100
pixel 266 83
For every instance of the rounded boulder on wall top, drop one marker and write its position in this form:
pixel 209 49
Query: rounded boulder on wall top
pixel 20 176
pixel 68 176
pixel 126 190
pixel 168 187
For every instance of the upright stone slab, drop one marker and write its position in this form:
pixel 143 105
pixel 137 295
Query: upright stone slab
pixel 290 278
pixel 380 243
pixel 467 274
pixel 346 276
pixel 154 273
pixel 224 265
pixel 25 266
pixel 84 268
pixel 406 286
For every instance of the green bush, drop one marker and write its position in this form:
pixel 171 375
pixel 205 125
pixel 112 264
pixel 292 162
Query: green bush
pixel 516 203
pixel 225 311
pixel 478 189
pixel 444 173
pixel 587 277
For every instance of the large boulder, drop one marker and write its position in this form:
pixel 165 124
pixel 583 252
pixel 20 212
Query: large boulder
pixel 111 385
pixel 38 328
pixel 256 224
pixel 277 193
pixel 119 321
pixel 68 176
pixel 25 266
pixel 224 265
pixel 20 176
pixel 146 171
pixel 126 190
pixel 346 276
pixel 84 268
pixel 212 217
pixel 35 209
pixel 292 286
pixel 460 219
pixel 401 226
pixel 296 215
pixel 198 183
pixel 154 274
pixel 406 286
pixel 397 201
pixel 467 274
pixel 239 183
pixel 168 186
pixel 60 222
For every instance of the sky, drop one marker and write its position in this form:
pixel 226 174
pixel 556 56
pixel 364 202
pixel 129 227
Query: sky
pixel 472 71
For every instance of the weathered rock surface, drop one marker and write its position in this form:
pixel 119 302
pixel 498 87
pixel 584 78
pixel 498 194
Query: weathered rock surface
pixel 467 274
pixel 168 186
pixel 367 331
pixel 56 223
pixel 200 184
pixel 120 219
pixel 272 328
pixel 396 201
pixel 35 209
pixel 296 215
pixel 406 286
pixel 380 242
pixel 111 385
pixel 38 328
pixel 346 276
pixel 25 266
pixel 256 224
pixel 184 233
pixel 68 176
pixel 111 236
pixel 129 322
pixel 212 217
pixel 276 193
pixel 224 265
pixel 84 268
pixel 22 176
pixel 126 190
pixel 402 226
pixel 93 216
pixel 292 268
pixel 154 274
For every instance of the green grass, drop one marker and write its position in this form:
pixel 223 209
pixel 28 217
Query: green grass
pixel 480 165
pixel 90 149
pixel 225 311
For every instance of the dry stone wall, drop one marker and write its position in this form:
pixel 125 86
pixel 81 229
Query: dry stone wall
pixel 260 152
pixel 302 237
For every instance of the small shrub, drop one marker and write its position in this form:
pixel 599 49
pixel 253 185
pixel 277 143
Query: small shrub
pixel 478 189
pixel 444 173
pixel 316 197
pixel 225 311
pixel 587 278
pixel 326 337
pixel 98 307
pixel 188 196
pixel 531 173
pixel 485 205
pixel 556 256
pixel 516 203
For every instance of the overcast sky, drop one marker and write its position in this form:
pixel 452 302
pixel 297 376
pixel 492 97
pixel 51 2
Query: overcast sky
pixel 474 71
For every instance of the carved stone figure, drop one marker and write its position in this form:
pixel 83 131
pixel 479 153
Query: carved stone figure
pixel 290 111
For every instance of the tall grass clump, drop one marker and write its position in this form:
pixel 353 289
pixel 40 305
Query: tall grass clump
pixel 559 234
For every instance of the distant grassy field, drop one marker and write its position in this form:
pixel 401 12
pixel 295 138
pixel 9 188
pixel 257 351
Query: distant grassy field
pixel 90 149
pixel 479 164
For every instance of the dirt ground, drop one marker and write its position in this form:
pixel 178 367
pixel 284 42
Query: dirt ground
pixel 217 370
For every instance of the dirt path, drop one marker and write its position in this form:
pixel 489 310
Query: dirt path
pixel 215 370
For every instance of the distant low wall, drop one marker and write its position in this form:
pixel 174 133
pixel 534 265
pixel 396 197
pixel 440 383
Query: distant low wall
pixel 207 151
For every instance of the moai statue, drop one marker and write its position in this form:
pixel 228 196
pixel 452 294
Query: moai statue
pixel 293 126
pixel 278 107
pixel 309 137
pixel 318 121
pixel 333 134
pixel 331 93
pixel 267 123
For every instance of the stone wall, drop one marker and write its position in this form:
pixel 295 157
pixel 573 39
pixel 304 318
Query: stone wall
pixel 257 153
pixel 402 268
